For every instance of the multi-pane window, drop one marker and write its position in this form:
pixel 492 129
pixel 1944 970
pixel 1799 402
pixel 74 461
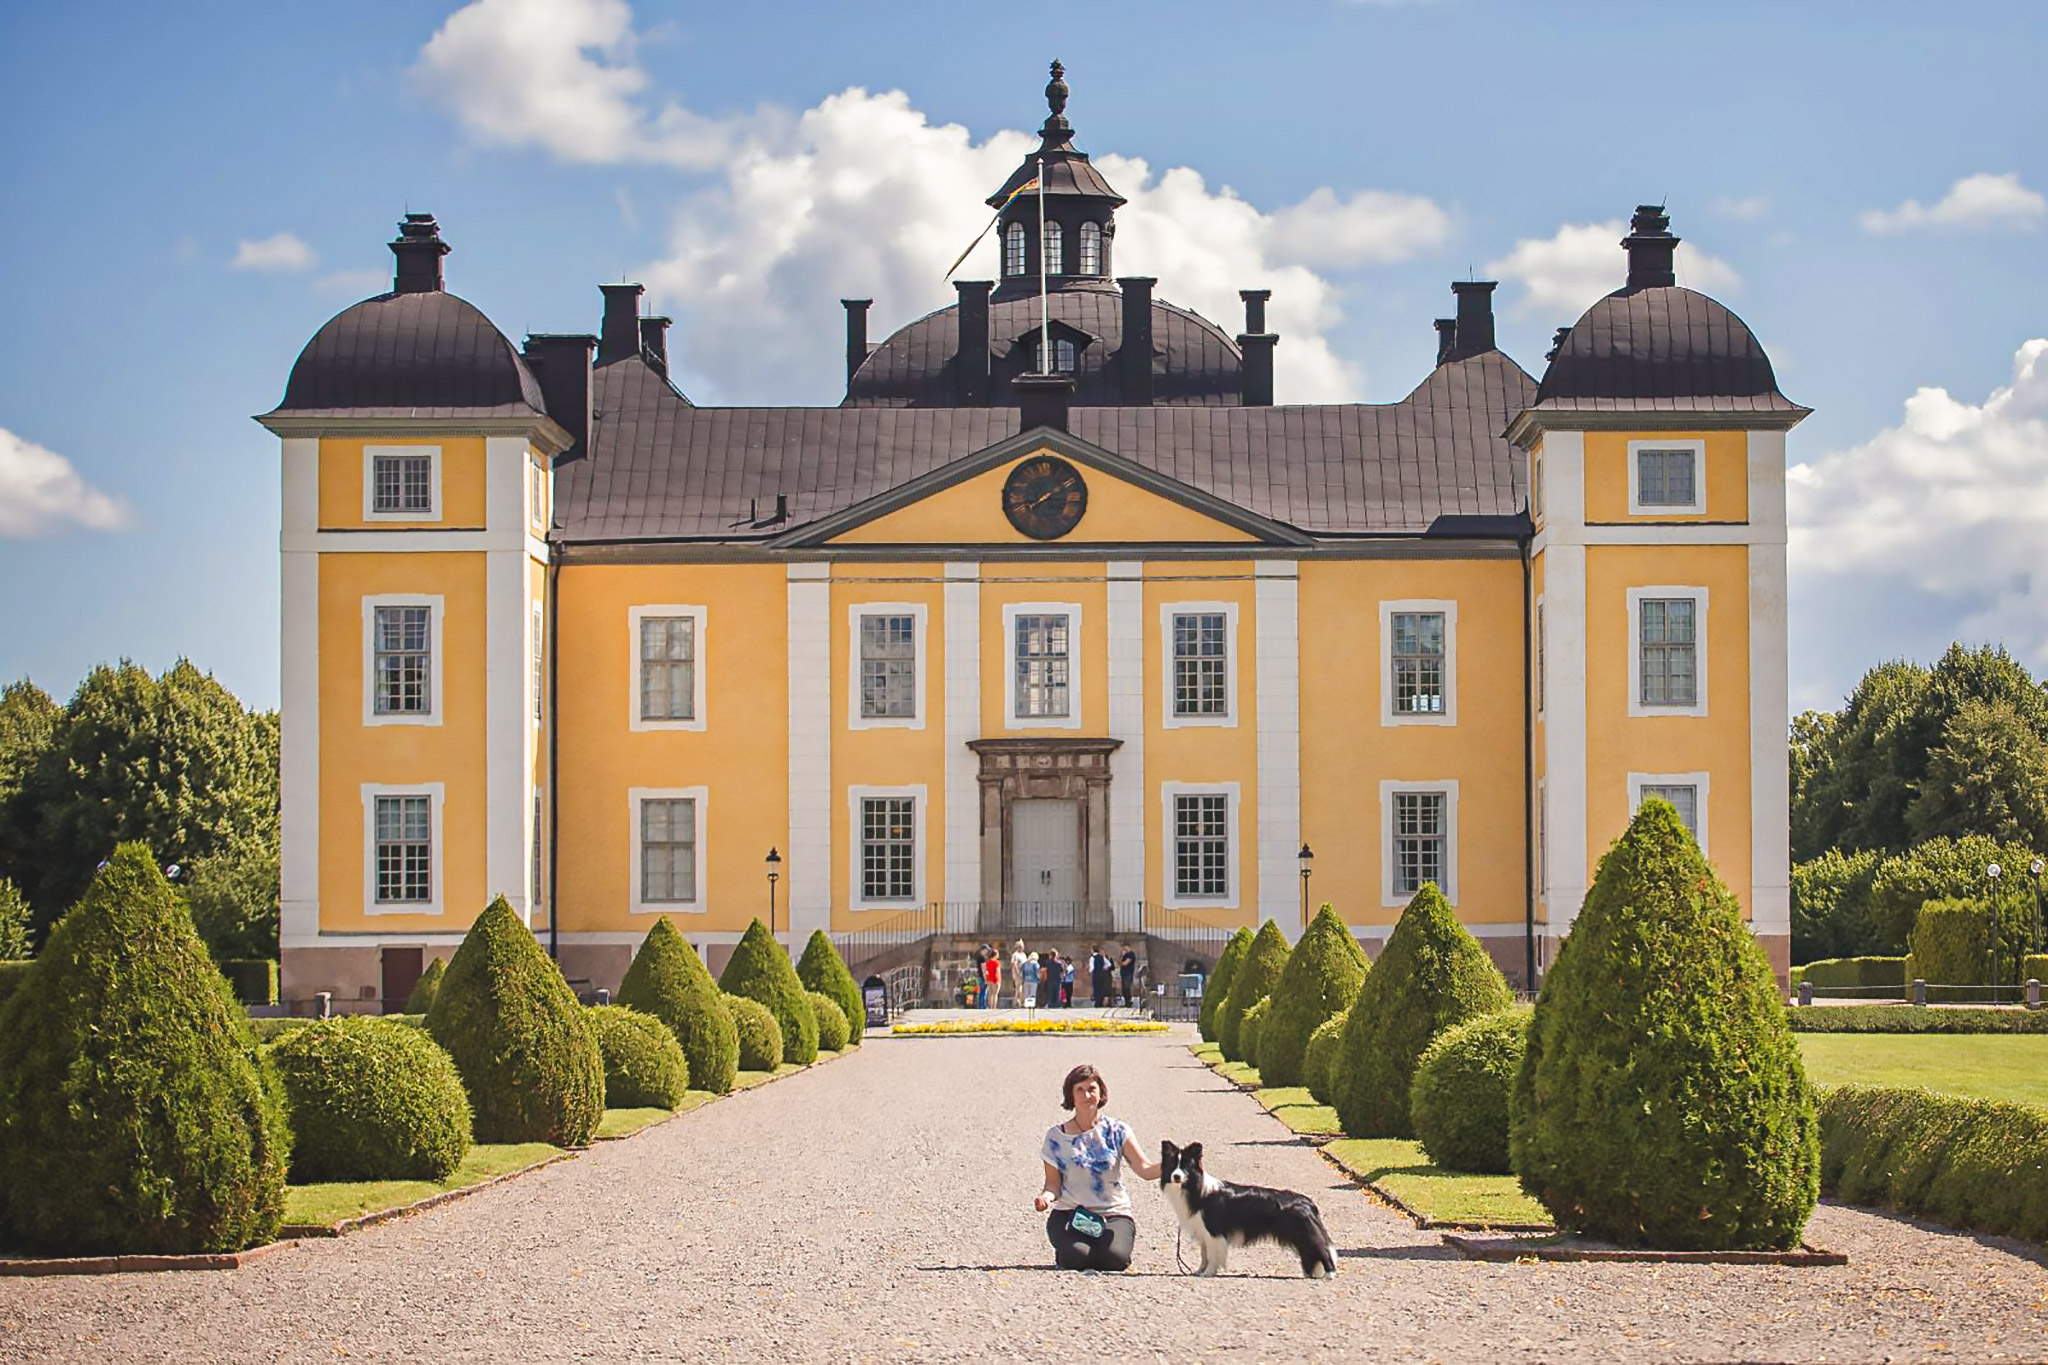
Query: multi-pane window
pixel 1043 658
pixel 539 866
pixel 888 848
pixel 1055 249
pixel 1685 799
pixel 1670 651
pixel 1665 478
pixel 1419 836
pixel 1418 656
pixel 1064 357
pixel 405 850
pixel 404 661
pixel 1201 845
pixel 668 850
pixel 888 667
pixel 1091 249
pixel 540 667
pixel 402 484
pixel 539 492
pixel 1201 664
pixel 1013 249
pixel 1539 658
pixel 668 668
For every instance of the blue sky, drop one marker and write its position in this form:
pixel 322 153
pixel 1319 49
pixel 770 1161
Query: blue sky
pixel 196 189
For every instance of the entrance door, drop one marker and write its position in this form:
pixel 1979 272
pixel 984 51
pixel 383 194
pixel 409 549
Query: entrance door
pixel 402 968
pixel 1045 862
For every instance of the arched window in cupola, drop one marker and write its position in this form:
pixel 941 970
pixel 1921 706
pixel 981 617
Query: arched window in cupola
pixel 1091 249
pixel 1013 250
pixel 1055 254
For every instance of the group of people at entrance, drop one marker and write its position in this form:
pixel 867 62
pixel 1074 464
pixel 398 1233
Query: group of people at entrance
pixel 1045 979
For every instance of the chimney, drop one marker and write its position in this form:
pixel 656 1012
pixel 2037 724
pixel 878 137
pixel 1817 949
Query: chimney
pixel 1134 357
pixel 619 337
pixel 1043 400
pixel 654 341
pixel 1257 345
pixel 562 365
pixel 1446 338
pixel 971 359
pixel 1650 247
pixel 856 334
pixel 419 250
pixel 1557 343
pixel 1475 317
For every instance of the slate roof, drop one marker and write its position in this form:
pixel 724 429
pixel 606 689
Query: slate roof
pixel 1660 349
pixel 660 470
pixel 421 354
pixel 1194 361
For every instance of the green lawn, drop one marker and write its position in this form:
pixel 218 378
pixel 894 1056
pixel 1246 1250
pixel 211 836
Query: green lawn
pixel 1295 1107
pixel 329 1204
pixel 618 1123
pixel 1401 1169
pixel 1995 1066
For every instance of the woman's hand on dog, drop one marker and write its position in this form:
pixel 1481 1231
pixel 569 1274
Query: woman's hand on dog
pixel 1043 1202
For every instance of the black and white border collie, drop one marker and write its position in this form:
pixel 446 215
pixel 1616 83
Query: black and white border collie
pixel 1219 1215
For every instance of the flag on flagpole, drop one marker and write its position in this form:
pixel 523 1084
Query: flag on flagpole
pixel 1024 188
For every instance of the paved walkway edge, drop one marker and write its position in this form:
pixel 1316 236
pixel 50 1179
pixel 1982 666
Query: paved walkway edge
pixel 1512 1249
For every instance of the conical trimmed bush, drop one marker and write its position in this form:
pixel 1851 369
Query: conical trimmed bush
pixel 422 998
pixel 760 970
pixel 1252 982
pixel 1661 1101
pixel 526 1052
pixel 135 1113
pixel 1321 980
pixel 1217 989
pixel 821 969
pixel 1431 975
pixel 669 981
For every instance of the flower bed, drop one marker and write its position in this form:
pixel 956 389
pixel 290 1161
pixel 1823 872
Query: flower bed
pixel 953 1026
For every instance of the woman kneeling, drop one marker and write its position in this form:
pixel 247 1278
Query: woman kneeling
pixel 1090 1225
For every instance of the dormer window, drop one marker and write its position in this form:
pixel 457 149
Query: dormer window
pixel 1091 249
pixel 1065 356
pixel 1055 255
pixel 1013 249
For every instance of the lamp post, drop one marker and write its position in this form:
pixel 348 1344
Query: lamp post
pixel 774 861
pixel 1992 872
pixel 1305 857
pixel 2034 938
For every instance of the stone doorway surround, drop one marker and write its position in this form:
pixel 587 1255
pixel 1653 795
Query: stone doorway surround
pixel 1058 769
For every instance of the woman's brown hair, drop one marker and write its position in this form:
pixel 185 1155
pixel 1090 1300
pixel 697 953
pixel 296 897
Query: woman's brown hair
pixel 1083 1072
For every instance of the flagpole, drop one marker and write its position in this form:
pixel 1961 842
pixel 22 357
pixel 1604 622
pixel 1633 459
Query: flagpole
pixel 1044 315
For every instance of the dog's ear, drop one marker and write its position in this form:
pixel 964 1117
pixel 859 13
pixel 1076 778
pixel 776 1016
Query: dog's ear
pixel 1169 1155
pixel 1192 1153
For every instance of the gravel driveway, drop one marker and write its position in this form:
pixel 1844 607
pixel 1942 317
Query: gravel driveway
pixel 880 1208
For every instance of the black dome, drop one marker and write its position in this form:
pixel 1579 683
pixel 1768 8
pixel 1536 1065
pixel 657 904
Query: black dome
pixel 416 350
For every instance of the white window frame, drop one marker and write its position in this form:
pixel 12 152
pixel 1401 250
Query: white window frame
pixel 1536 486
pixel 1090 234
pixel 920 675
pixel 1702 785
pixel 1448 609
pixel 700 616
pixel 1013 610
pixel 536 896
pixel 1167 611
pixel 1542 662
pixel 540 665
pixel 537 487
pixel 436 794
pixel 436 696
pixel 1448 789
pixel 1169 844
pixel 1015 236
pixel 1542 838
pixel 1054 236
pixel 920 821
pixel 370 456
pixel 635 797
pixel 1636 597
pixel 1698 505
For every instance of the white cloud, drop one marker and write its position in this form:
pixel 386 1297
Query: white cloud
pixel 41 494
pixel 1975 201
pixel 1566 273
pixel 1742 210
pixel 1949 506
pixel 283 252
pixel 1372 227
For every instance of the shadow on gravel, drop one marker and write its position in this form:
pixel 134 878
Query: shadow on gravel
pixel 1120 1275
pixel 1398 1253
pixel 1269 1142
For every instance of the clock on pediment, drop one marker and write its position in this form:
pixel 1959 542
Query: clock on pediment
pixel 1045 497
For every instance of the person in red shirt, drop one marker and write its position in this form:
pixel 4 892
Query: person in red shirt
pixel 991 980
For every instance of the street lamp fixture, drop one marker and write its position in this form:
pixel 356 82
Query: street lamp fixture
pixel 1992 872
pixel 774 862
pixel 1305 858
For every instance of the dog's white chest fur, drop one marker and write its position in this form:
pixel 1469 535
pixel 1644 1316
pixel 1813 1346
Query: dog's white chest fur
pixel 1215 1250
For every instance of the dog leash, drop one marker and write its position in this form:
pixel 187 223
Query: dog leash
pixel 1178 1259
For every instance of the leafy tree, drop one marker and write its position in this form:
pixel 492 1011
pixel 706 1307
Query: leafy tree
pixel 1320 981
pixel 1935 870
pixel 233 892
pixel 1859 780
pixel 1831 904
pixel 14 942
pixel 1989 776
pixel 28 725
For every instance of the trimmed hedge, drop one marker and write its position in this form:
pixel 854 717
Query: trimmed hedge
pixel 760 970
pixel 644 1066
pixel 1907 1019
pixel 1462 1088
pixel 426 988
pixel 833 1029
pixel 669 981
pixel 371 1099
pixel 1951 944
pixel 2035 967
pixel 821 969
pixel 1633 1121
pixel 1252 982
pixel 524 1048
pixel 253 979
pixel 1217 988
pixel 1320 981
pixel 1431 975
pixel 1318 1065
pixel 760 1036
pixel 1251 1030
pixel 136 1113
pixel 13 975
pixel 1837 972
pixel 1977 1164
